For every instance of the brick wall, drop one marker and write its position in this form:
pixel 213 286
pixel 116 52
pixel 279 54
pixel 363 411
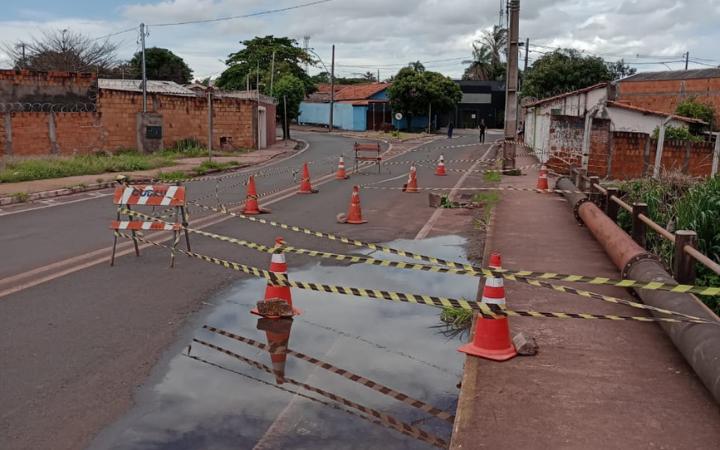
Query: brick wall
pixel 632 155
pixel 47 87
pixel 664 95
pixel 566 139
pixel 114 126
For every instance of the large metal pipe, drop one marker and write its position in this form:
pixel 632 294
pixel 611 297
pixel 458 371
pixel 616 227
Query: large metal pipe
pixel 698 343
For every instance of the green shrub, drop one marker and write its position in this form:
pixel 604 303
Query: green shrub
pixel 492 177
pixel 676 134
pixel 699 210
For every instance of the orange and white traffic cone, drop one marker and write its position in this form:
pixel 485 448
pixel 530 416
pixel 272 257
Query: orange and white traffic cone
pixel 492 336
pixel 278 266
pixel 440 169
pixel 305 185
pixel 251 203
pixel 278 338
pixel 411 185
pixel 542 182
pixel 341 174
pixel 354 215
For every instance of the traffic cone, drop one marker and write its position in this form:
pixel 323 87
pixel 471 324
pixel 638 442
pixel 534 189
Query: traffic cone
pixel 542 182
pixel 251 203
pixel 440 169
pixel 278 338
pixel 278 266
pixel 411 185
pixel 492 336
pixel 354 215
pixel 340 174
pixel 305 186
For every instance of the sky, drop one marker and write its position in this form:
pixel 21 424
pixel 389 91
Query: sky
pixel 384 35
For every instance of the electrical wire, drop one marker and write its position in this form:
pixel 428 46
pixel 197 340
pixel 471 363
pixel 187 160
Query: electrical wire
pixel 243 16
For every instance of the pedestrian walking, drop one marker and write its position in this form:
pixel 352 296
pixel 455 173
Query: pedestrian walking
pixel 451 126
pixel 482 128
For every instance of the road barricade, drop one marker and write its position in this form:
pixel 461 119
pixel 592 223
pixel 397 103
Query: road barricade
pixel 170 196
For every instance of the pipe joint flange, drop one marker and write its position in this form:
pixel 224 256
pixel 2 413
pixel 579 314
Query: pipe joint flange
pixel 564 177
pixel 576 210
pixel 641 257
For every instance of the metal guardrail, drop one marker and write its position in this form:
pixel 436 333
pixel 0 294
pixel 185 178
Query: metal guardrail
pixel 684 241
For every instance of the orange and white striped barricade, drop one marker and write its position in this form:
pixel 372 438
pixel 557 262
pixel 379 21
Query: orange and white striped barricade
pixel 170 196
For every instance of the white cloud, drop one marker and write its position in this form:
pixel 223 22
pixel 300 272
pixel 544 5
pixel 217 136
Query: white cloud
pixel 385 33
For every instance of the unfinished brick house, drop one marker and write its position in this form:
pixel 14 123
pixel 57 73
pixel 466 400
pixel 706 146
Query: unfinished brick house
pixel 662 91
pixel 61 113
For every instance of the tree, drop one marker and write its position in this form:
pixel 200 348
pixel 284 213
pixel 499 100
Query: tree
pixel 563 70
pixel 162 64
pixel 288 89
pixel 255 60
pixel 369 76
pixel 63 50
pixel 488 56
pixel 696 110
pixel 619 69
pixel 414 90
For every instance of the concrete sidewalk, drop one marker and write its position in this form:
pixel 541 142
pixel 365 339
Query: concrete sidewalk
pixel 98 181
pixel 594 383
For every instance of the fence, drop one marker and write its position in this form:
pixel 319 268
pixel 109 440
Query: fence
pixel 685 253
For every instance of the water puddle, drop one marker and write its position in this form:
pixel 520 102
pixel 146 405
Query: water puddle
pixel 247 398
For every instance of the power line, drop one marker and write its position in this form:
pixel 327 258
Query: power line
pixel 243 16
pixel 105 36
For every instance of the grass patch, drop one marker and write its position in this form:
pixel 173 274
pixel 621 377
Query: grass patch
pixel 489 200
pixel 492 177
pixel 455 321
pixel 208 166
pixel 171 176
pixel 21 197
pixel 58 167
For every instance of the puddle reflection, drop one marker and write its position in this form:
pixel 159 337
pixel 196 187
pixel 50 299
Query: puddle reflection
pixel 218 399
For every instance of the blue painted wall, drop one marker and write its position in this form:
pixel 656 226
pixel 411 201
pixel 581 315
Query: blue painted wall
pixel 418 122
pixel 345 115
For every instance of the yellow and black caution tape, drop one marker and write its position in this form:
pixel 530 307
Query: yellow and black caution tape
pixel 387 419
pixel 374 385
pixel 497 188
pixel 427 268
pixel 372 419
pixel 485 310
pixel 505 273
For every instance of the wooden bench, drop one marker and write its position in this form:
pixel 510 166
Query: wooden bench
pixel 367 152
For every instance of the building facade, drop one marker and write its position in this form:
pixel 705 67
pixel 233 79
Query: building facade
pixel 60 113
pixel 357 107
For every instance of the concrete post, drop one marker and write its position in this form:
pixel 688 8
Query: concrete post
pixel 659 149
pixel 611 208
pixel 8 134
pixel 589 116
pixel 52 133
pixel 595 195
pixel 638 226
pixel 683 264
pixel 716 156
pixel 210 123
pixel 511 86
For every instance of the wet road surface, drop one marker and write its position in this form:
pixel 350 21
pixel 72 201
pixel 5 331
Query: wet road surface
pixel 197 405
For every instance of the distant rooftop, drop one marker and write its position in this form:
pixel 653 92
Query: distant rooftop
pixel 153 87
pixel 674 75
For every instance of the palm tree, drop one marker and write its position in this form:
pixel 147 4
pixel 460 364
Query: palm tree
pixel 481 68
pixel 488 56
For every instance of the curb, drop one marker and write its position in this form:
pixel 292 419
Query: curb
pixel 15 199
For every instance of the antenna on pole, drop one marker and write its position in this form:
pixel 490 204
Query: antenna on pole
pixel 500 14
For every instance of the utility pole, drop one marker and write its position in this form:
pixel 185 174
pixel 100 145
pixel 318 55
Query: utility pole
pixel 210 122
pixel 286 128
pixel 306 47
pixel 272 73
pixel 501 14
pixel 687 59
pixel 332 88
pixel 527 51
pixel 144 74
pixel 378 78
pixel 429 117
pixel 511 87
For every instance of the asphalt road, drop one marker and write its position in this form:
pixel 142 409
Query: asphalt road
pixel 74 348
